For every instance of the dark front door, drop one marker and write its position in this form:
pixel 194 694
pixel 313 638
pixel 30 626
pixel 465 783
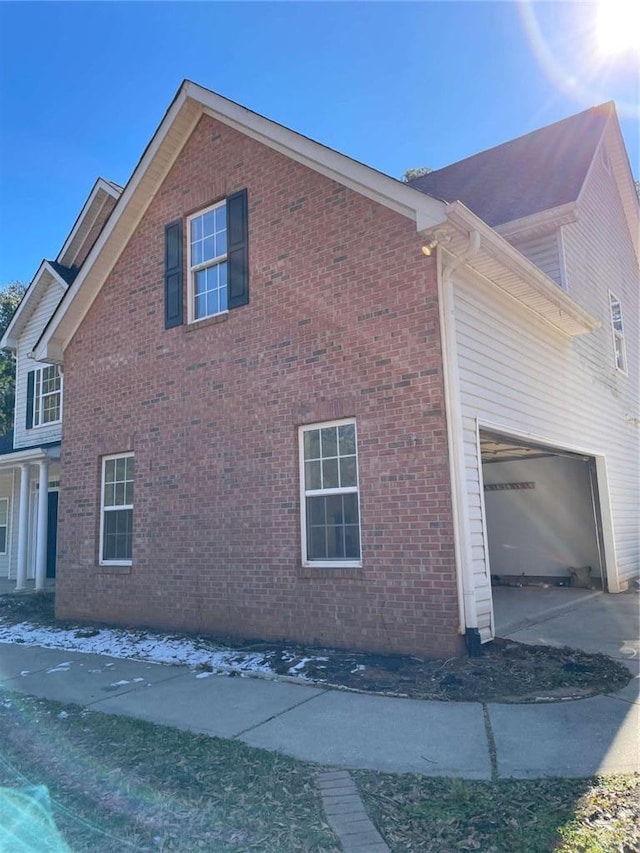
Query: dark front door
pixel 52 533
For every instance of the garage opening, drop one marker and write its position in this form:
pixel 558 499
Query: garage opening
pixel 542 515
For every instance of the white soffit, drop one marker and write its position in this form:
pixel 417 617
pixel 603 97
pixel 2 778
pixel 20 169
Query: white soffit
pixel 504 266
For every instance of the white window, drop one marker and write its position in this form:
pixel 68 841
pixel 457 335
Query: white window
pixel 4 525
pixel 618 333
pixel 208 293
pixel 116 510
pixel 47 395
pixel 330 509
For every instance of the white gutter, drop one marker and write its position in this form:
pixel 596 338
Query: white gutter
pixel 468 615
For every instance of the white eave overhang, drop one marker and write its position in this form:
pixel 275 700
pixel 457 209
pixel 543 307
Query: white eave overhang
pixel 539 224
pixel 29 455
pixel 498 262
pixel 191 102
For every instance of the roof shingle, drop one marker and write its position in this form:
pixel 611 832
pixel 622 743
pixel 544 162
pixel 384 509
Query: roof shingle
pixel 539 171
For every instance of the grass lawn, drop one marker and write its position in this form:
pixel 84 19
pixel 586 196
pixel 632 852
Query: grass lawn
pixel 119 784
pixel 414 813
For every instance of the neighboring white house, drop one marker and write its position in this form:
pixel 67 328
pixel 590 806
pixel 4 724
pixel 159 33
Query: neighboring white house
pixel 544 408
pixel 30 454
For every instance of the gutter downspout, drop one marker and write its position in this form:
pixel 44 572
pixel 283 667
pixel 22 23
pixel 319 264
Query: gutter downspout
pixel 462 543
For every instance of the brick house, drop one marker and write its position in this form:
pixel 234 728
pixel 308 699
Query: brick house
pixel 289 381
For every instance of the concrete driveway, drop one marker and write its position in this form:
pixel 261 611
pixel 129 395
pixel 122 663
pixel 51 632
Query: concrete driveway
pixel 583 619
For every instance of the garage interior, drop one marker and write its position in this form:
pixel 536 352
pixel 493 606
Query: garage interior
pixel 542 515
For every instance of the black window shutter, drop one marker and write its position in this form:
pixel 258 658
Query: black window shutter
pixel 238 249
pixel 173 274
pixel 31 380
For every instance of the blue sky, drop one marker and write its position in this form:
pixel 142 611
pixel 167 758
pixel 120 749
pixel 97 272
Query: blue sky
pixel 83 87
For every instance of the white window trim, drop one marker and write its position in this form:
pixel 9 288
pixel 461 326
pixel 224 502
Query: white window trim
pixel 106 459
pixel 6 538
pixel 38 373
pixel 191 270
pixel 304 493
pixel 616 335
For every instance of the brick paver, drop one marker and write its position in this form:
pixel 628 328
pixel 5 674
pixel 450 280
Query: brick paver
pixel 346 814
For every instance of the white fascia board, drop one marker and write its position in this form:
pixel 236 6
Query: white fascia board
pixel 174 130
pixel 503 252
pixel 100 185
pixel 426 211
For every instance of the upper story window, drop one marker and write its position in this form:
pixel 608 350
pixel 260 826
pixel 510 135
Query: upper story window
pixel 208 262
pixel 217 267
pixel 618 333
pixel 44 396
pixel 330 499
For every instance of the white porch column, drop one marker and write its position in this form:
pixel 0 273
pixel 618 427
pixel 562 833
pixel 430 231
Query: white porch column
pixel 23 528
pixel 43 513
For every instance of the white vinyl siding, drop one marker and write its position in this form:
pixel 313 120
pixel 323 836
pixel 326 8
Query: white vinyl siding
pixel 545 252
pixel 34 326
pixel 516 373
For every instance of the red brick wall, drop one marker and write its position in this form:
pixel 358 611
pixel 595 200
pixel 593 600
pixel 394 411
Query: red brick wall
pixel 342 321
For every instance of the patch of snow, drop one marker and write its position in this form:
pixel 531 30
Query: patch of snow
pixel 25 672
pixel 359 668
pixel 119 683
pixel 297 668
pixel 197 653
pixel 61 667
pixel 62 715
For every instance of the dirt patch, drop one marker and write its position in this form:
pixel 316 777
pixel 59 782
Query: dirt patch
pixel 35 607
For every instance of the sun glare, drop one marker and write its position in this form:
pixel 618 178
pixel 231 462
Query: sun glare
pixel 618 25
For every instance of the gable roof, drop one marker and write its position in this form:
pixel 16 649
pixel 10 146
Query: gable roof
pixel 62 271
pixel 542 170
pixel 48 274
pixel 189 105
pixel 535 289
pixel 95 212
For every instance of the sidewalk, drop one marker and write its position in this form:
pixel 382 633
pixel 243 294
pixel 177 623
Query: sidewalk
pixel 342 729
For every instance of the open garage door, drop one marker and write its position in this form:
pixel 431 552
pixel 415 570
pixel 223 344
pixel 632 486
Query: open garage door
pixel 542 514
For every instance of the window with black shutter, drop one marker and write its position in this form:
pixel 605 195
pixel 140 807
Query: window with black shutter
pixel 217 261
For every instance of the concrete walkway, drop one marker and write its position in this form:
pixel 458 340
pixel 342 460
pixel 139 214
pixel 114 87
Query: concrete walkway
pixel 349 730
